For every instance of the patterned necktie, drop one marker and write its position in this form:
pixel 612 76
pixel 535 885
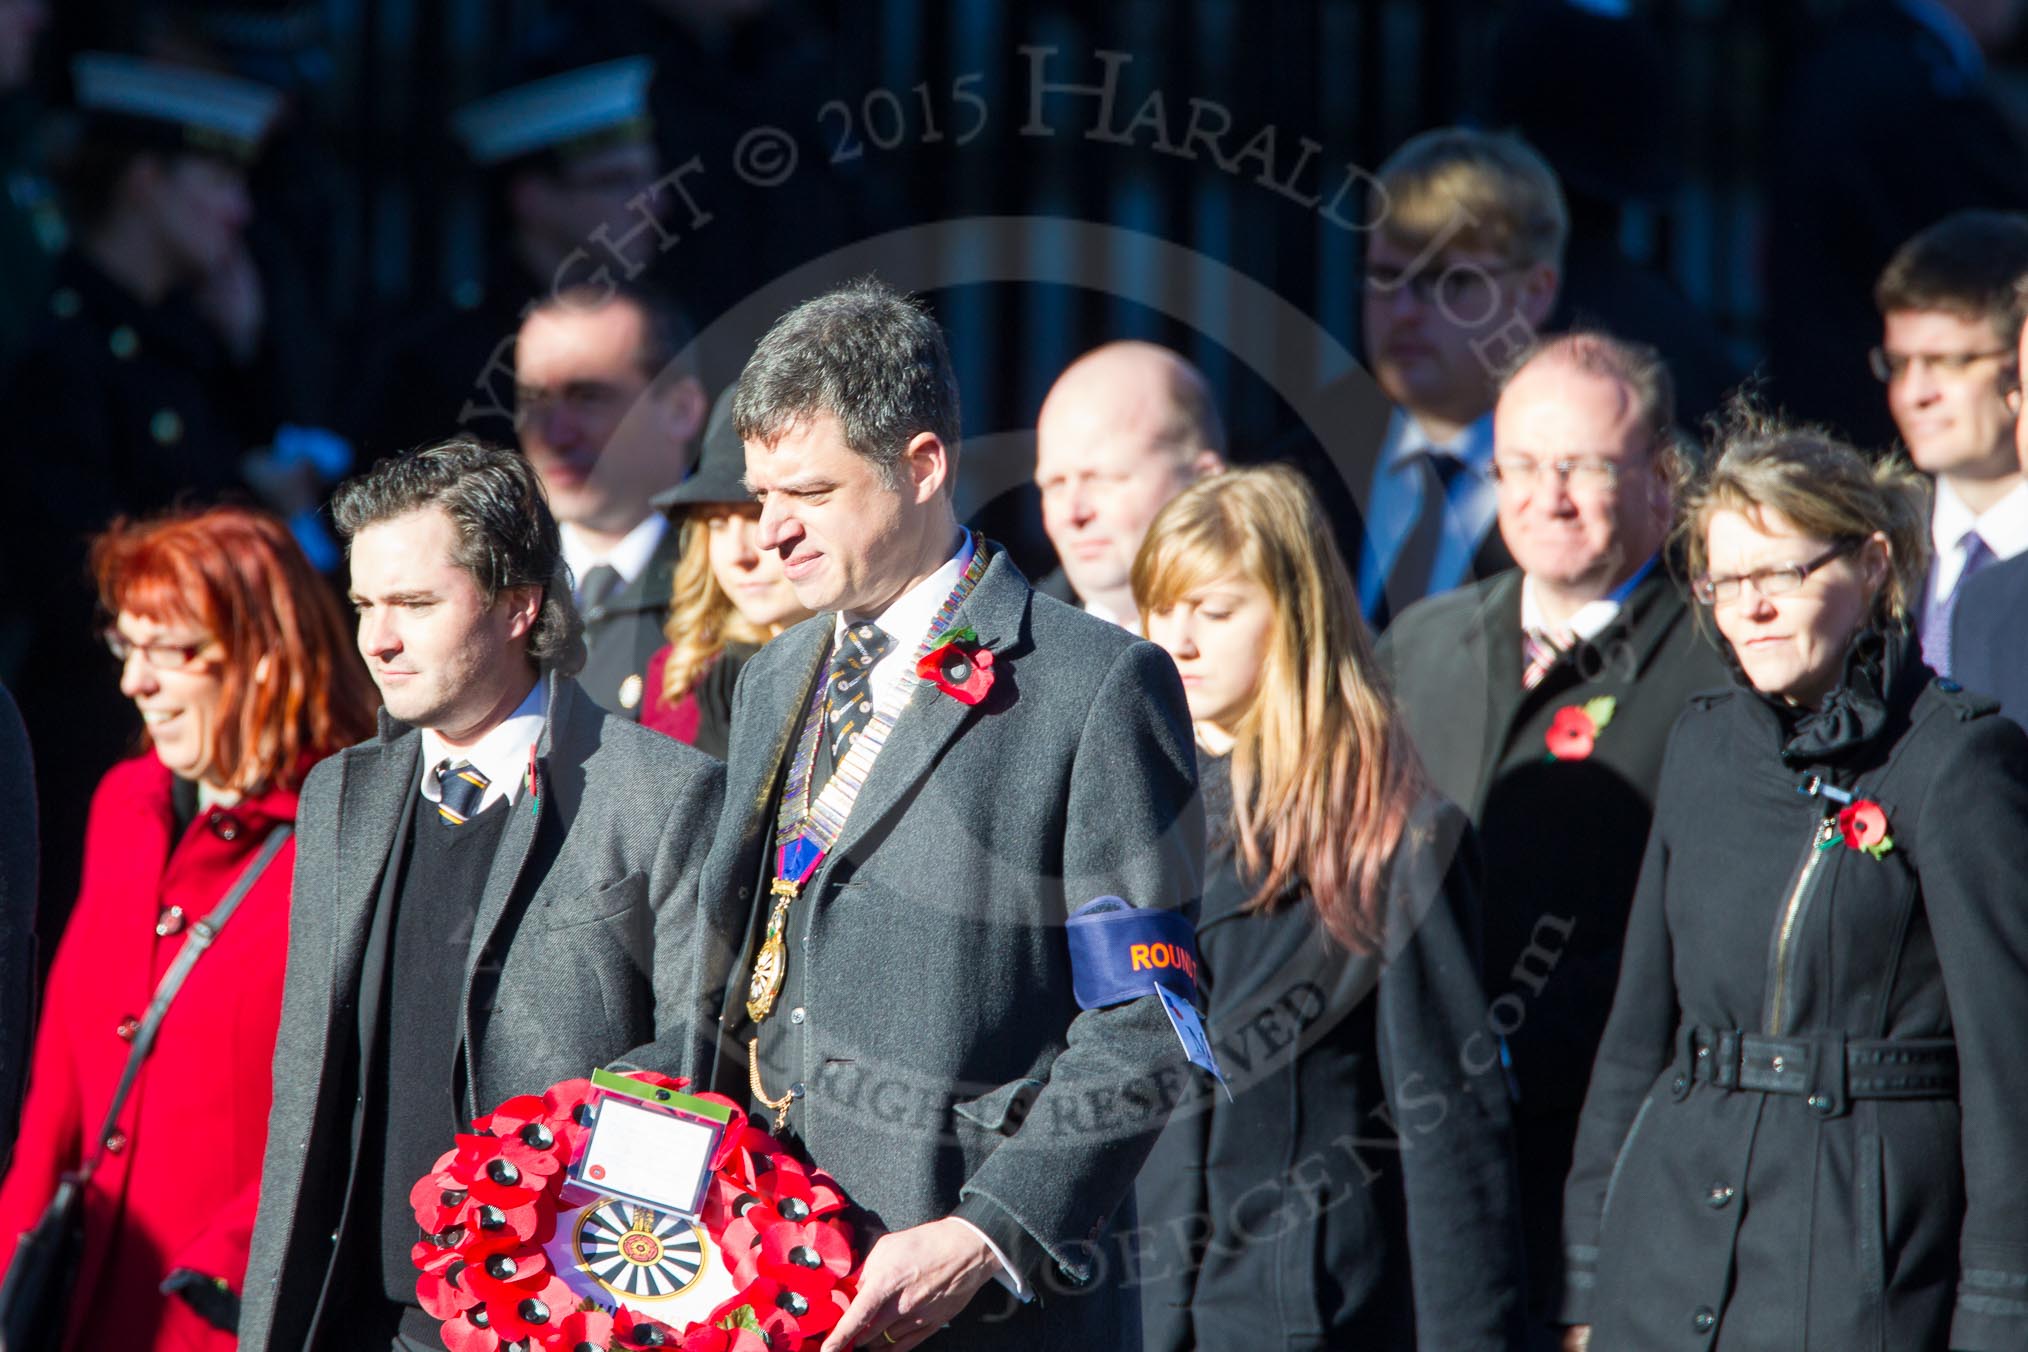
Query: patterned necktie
pixel 1541 650
pixel 463 789
pixel 1936 621
pixel 849 706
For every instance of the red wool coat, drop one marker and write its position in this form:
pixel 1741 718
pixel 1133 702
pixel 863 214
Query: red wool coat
pixel 180 1188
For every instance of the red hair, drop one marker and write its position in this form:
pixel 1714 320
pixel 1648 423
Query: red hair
pixel 237 575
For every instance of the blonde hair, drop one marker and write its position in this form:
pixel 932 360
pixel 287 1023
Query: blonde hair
pixel 1828 489
pixel 702 618
pixel 1490 191
pixel 1324 780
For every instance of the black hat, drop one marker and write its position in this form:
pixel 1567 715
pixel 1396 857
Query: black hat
pixel 578 110
pixel 178 107
pixel 720 476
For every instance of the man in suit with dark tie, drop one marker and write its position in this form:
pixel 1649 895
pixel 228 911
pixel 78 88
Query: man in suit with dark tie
pixel 1950 316
pixel 1592 630
pixel 610 411
pixel 923 781
pixel 1989 627
pixel 495 894
pixel 1462 270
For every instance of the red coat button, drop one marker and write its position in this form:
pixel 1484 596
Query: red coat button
pixel 170 922
pixel 129 1027
pixel 116 1142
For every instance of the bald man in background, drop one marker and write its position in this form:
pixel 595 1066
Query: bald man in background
pixel 1124 429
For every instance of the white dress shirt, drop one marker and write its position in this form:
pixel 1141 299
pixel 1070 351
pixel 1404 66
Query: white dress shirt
pixel 2003 526
pixel 629 558
pixel 1394 505
pixel 501 755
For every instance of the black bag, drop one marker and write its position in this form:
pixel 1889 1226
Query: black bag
pixel 35 1295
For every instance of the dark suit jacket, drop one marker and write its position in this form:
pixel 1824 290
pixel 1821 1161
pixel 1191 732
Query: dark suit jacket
pixel 578 956
pixel 1338 450
pixel 623 632
pixel 1989 636
pixel 1562 840
pixel 948 1067
pixel 18 866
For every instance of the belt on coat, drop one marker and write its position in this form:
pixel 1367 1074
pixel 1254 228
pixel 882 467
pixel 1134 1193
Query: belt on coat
pixel 1828 1070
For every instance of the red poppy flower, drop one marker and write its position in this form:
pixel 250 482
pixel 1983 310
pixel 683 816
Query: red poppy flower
pixel 582 1327
pixel 787 1315
pixel 1571 734
pixel 788 1250
pixel 532 1311
pixel 960 667
pixel 441 1288
pixel 1863 824
pixel 471 1331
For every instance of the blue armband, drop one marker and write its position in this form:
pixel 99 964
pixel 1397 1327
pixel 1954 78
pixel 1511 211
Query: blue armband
pixel 1120 953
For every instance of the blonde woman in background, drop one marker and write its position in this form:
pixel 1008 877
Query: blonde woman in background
pixel 729 596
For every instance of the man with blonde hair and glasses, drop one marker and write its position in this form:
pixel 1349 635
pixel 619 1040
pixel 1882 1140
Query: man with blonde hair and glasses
pixel 1462 270
pixel 1541 700
pixel 1950 311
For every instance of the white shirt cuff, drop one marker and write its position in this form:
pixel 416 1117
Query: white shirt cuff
pixel 1006 1276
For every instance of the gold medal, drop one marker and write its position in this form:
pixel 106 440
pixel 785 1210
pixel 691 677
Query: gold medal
pixel 772 963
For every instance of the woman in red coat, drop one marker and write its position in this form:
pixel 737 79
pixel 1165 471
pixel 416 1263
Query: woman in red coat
pixel 236 654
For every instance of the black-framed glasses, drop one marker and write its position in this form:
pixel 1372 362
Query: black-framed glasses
pixel 1888 367
pixel 1775 580
pixel 159 656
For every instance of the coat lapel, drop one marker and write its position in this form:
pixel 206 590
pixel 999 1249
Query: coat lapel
pixel 376 777
pixel 996 610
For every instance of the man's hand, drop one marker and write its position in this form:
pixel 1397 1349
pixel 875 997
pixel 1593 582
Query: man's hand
pixel 1577 1338
pixel 913 1283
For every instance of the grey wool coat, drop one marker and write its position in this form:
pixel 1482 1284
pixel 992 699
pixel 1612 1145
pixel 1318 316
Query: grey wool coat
pixel 947 1068
pixel 577 958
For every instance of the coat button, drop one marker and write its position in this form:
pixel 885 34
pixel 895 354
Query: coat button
pixel 225 826
pixel 796 1089
pixel 1704 1320
pixel 745 892
pixel 798 1014
pixel 128 1028
pixel 1718 1196
pixel 1820 1103
pixel 169 922
pixel 116 1142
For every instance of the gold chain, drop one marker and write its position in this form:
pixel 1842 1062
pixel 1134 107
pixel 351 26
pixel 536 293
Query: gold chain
pixel 753 1082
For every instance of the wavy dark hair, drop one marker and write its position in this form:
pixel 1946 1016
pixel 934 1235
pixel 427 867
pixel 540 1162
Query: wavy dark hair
pixel 506 535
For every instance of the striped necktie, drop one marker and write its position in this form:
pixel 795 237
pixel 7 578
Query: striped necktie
pixel 463 789
pixel 1541 650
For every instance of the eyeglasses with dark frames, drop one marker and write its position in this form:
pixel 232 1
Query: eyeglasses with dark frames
pixel 1776 580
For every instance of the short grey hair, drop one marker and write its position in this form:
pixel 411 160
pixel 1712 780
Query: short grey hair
pixel 868 355
pixel 506 535
pixel 1638 366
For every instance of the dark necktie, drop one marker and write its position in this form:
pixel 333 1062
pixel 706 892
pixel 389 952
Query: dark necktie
pixel 598 587
pixel 1408 581
pixel 463 789
pixel 849 701
pixel 1936 620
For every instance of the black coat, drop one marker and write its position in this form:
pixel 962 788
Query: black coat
pixel 1561 839
pixel 1989 636
pixel 1817 1214
pixel 624 631
pixel 1359 1189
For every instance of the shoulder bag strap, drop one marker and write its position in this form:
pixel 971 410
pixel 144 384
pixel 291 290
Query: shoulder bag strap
pixel 201 935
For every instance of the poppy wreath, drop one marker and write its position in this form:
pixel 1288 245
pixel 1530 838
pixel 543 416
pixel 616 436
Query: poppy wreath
pixel 489 1209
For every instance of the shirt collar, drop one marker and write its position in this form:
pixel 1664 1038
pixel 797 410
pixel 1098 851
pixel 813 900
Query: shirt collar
pixel 1407 439
pixel 908 617
pixel 501 755
pixel 2003 526
pixel 629 558
pixel 1592 618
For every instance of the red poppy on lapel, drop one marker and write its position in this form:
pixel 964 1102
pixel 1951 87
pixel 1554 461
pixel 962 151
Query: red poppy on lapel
pixel 961 667
pixel 1575 729
pixel 1863 826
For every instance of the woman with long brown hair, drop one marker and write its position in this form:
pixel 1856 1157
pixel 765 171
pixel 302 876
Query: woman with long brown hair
pixel 237 656
pixel 1358 1188
pixel 728 597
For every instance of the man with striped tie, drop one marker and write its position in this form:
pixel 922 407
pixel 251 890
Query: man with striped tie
pixel 493 895
pixel 1541 700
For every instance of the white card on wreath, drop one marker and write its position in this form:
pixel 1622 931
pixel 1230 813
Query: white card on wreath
pixel 648 1154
